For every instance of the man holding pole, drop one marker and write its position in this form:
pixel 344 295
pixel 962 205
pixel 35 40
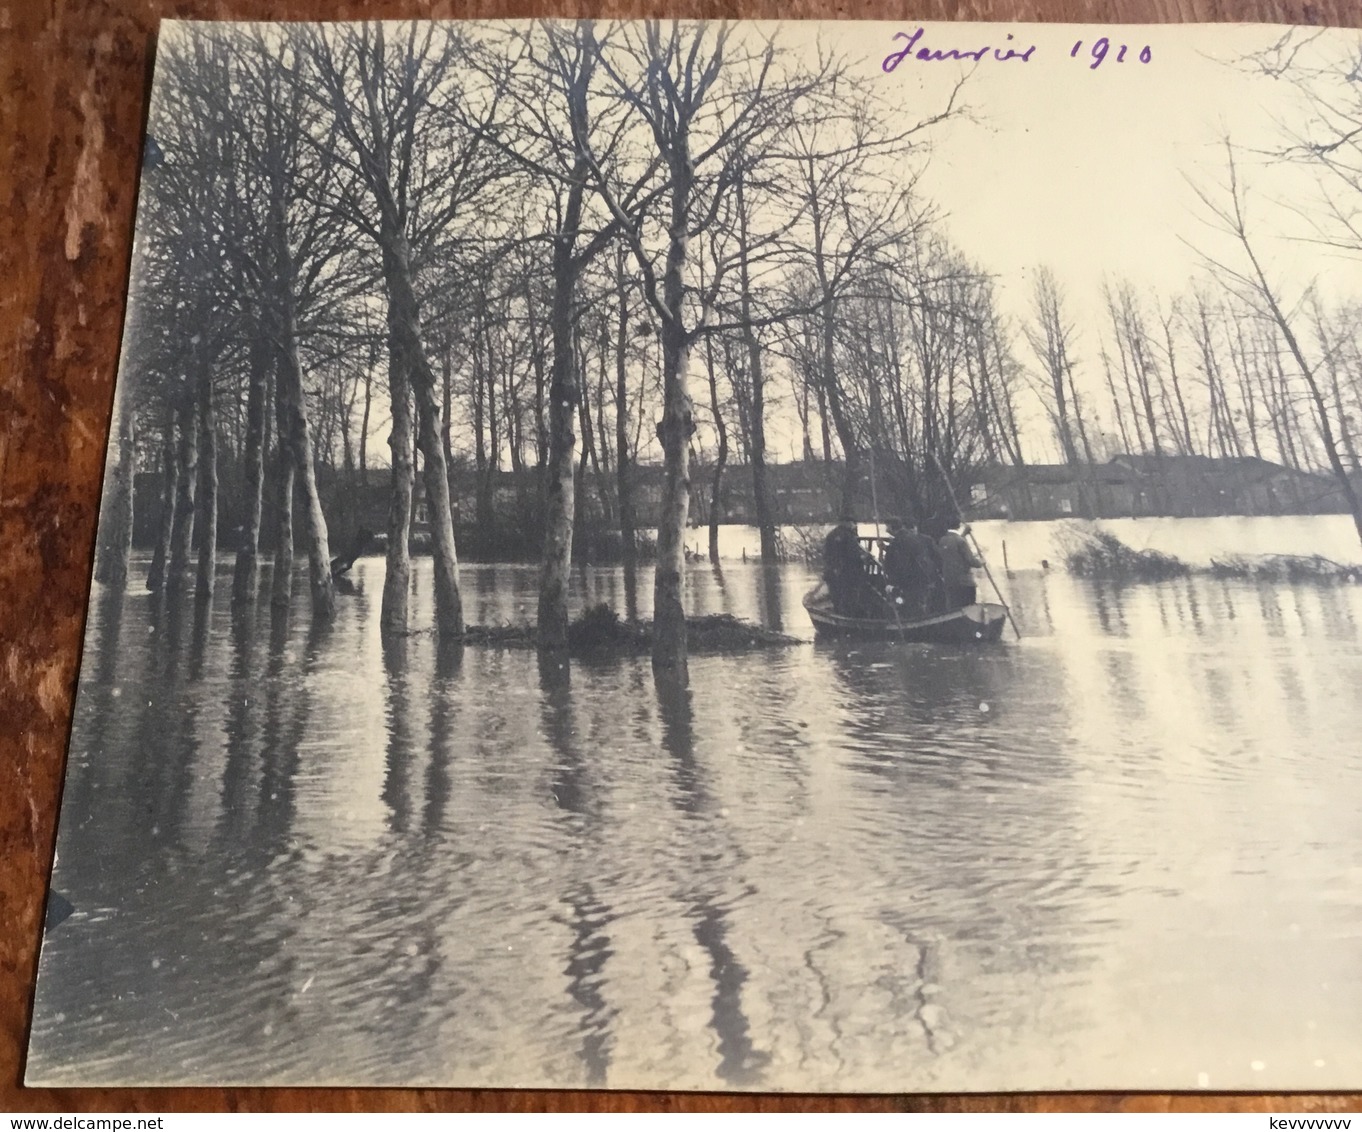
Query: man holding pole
pixel 958 561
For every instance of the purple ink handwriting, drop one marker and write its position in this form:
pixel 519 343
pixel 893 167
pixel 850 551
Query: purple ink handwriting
pixel 913 48
pixel 936 55
pixel 1100 48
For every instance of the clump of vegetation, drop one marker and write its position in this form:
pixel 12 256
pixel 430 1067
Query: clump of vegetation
pixel 722 632
pixel 1285 568
pixel 599 631
pixel 801 544
pixel 1097 554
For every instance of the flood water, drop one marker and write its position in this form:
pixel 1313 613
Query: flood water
pixel 1125 852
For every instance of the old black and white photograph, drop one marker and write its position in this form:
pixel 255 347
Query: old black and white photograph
pixel 775 556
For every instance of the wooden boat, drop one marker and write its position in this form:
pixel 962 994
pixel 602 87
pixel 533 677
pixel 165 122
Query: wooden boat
pixel 981 623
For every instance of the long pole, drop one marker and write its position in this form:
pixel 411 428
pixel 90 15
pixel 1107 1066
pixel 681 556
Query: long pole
pixel 874 498
pixel 977 548
pixel 875 514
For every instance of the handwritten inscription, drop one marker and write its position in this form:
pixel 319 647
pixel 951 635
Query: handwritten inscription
pixel 1009 51
pixel 937 55
pixel 1101 47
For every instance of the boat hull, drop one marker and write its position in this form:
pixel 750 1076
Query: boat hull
pixel 981 623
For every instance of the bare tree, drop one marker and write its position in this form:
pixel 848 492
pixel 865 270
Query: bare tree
pixel 707 97
pixel 1251 281
pixel 389 94
pixel 1051 339
pixel 557 138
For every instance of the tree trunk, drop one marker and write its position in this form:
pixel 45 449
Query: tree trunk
pixel 591 457
pixel 447 410
pixel 115 528
pixel 717 482
pixel 851 456
pixel 1116 405
pixel 489 491
pixel 364 429
pixel 1326 430
pixel 182 544
pixel 564 396
pixel 674 431
pixel 482 503
pixel 440 516
pixel 170 472
pixel 207 520
pixel 247 567
pixel 404 321
pixel 397 579
pixel 541 434
pixel 623 456
pixel 582 547
pixel 298 445
pixel 824 430
pixel 761 501
pixel 281 584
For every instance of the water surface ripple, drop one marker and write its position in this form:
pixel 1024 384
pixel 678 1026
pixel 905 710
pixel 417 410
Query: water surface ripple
pixel 1124 853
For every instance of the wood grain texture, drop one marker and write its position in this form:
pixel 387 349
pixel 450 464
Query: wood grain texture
pixel 73 84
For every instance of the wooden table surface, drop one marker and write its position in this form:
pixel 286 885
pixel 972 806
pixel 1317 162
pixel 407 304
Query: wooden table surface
pixel 73 86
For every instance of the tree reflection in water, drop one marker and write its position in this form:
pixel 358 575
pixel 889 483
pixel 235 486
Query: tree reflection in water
pixel 397 715
pixel 772 598
pixel 740 1062
pixel 588 916
pixel 243 731
pixel 836 865
pixel 285 725
pixel 443 733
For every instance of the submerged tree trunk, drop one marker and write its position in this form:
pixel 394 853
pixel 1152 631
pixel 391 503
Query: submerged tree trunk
pixel 397 580
pixel 281 585
pixel 296 442
pixel 115 528
pixel 674 431
pixel 404 322
pixel 761 500
pixel 182 542
pixel 623 456
pixel 564 396
pixel 247 569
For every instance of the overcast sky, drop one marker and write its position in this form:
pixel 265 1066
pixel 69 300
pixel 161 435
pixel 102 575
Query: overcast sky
pixel 1093 171
pixel 1087 169
pixel 1090 171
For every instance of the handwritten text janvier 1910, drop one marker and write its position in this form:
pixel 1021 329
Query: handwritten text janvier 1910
pixel 1095 55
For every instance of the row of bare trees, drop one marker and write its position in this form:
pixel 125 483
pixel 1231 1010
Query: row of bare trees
pixel 516 241
pixel 1247 362
pixel 1223 371
pixel 521 244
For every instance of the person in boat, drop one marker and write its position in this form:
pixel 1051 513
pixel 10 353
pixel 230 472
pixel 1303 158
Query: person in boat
pixel 912 566
pixel 848 569
pixel 958 563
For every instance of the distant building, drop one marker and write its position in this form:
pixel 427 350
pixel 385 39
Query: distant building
pixel 806 492
pixel 1135 485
